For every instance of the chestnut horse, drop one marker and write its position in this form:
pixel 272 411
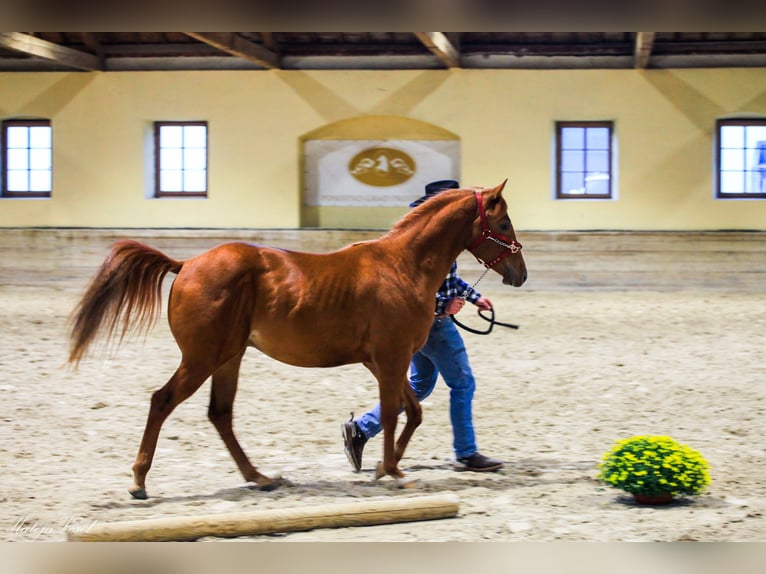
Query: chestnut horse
pixel 371 302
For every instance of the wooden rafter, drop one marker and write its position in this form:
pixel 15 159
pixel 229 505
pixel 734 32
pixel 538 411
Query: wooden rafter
pixel 270 41
pixel 91 41
pixel 40 48
pixel 643 50
pixel 441 46
pixel 236 45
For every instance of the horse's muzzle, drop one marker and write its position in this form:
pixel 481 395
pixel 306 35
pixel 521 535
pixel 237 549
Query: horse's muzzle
pixel 515 280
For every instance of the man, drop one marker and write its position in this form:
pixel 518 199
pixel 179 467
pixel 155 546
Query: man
pixel 444 353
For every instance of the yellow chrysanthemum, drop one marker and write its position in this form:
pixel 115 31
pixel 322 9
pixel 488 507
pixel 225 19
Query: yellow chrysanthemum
pixel 654 465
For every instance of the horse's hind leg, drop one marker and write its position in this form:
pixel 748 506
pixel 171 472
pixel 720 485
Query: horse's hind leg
pixel 220 413
pixel 184 382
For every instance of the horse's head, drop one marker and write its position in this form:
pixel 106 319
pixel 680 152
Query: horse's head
pixel 494 241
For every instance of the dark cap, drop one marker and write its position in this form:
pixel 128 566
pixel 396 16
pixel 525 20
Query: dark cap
pixel 435 187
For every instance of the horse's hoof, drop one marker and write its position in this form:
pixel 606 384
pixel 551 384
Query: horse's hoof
pixel 399 482
pixel 406 482
pixel 269 484
pixel 272 484
pixel 138 492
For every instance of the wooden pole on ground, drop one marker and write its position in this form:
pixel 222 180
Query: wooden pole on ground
pixel 228 525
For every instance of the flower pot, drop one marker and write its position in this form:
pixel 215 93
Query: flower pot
pixel 653 499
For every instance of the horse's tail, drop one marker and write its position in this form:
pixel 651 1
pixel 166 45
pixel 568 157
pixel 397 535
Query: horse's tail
pixel 126 290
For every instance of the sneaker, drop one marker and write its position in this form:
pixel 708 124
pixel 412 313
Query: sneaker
pixel 477 462
pixel 353 442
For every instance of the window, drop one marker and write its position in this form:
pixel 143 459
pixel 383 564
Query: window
pixel 584 160
pixel 180 159
pixel 26 158
pixel 741 159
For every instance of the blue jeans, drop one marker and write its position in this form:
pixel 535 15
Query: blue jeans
pixel 444 353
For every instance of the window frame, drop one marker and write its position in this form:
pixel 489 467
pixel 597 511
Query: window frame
pixel 718 149
pixel 158 193
pixel 560 125
pixel 16 122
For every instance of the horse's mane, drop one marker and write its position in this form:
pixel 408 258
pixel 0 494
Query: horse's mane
pixel 427 209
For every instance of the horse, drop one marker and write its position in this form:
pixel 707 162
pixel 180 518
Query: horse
pixel 371 302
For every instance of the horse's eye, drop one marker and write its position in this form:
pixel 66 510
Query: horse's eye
pixel 505 225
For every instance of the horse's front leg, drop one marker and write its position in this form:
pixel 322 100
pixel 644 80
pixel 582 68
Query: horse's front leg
pixel 414 417
pixel 390 403
pixel 392 383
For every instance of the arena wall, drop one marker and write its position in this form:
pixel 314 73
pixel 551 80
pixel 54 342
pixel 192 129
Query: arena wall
pixel 504 120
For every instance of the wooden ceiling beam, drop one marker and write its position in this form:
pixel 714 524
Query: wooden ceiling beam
pixel 270 42
pixel 91 42
pixel 643 49
pixel 40 48
pixel 238 46
pixel 441 46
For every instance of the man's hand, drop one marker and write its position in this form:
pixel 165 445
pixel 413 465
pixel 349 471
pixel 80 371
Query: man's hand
pixel 484 304
pixel 454 305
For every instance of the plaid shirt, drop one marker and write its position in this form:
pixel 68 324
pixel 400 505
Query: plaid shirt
pixel 453 287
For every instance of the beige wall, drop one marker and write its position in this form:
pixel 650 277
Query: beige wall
pixel 664 121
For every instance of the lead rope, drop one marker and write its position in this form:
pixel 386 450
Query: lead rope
pixel 490 319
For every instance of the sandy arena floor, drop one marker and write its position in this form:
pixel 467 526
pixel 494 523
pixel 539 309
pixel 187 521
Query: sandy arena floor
pixel 620 335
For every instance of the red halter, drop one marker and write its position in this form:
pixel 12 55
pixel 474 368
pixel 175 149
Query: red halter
pixel 511 245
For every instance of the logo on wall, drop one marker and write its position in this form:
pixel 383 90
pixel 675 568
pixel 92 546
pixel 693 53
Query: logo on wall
pixel 382 166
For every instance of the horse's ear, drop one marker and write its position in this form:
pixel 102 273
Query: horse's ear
pixel 498 189
pixel 494 195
